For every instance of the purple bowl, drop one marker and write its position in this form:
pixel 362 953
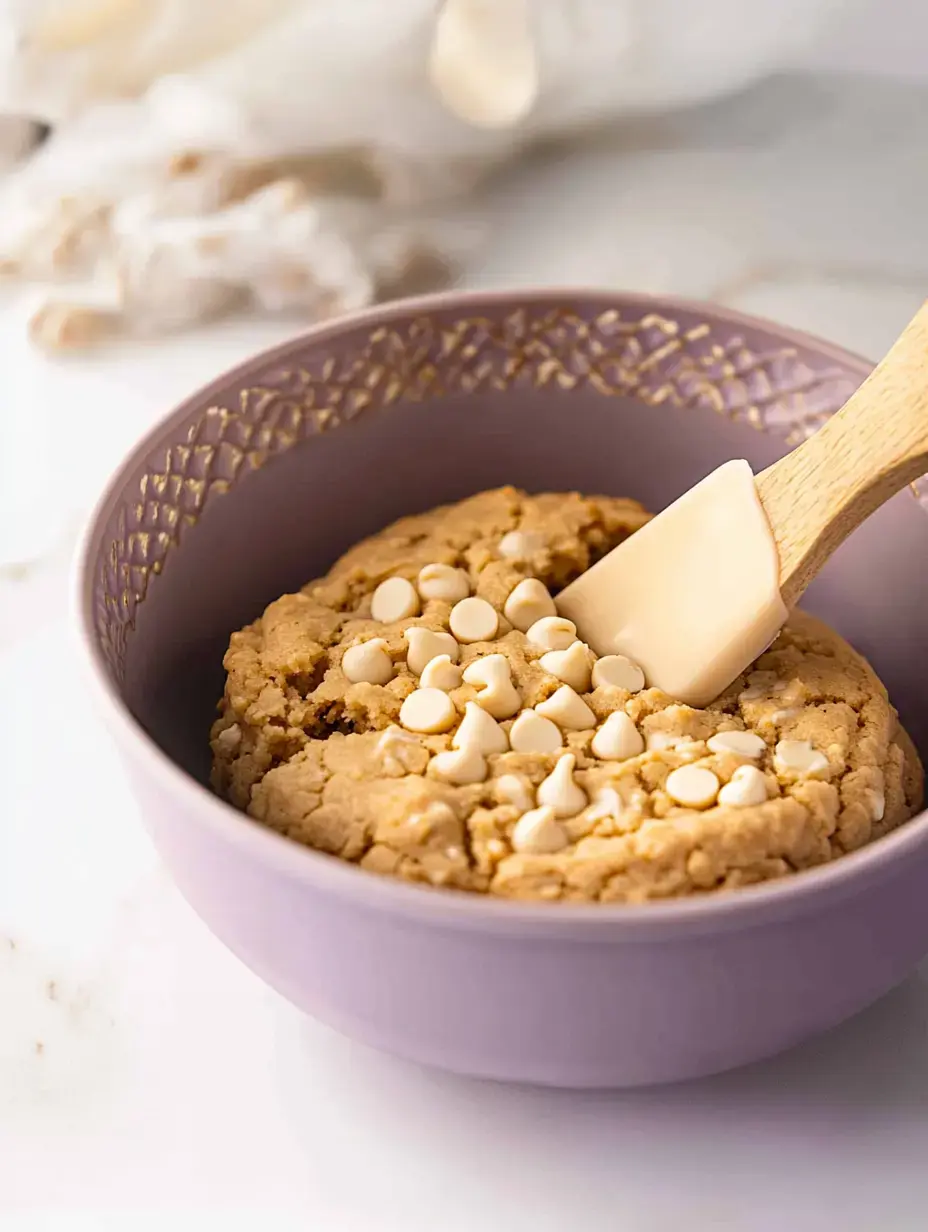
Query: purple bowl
pixel 256 483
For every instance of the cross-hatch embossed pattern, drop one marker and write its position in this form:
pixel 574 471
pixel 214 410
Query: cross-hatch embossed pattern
pixel 650 357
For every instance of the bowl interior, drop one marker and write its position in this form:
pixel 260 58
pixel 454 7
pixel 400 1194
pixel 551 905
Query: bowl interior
pixel 258 483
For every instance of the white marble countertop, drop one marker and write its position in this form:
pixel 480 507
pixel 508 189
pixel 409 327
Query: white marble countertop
pixel 144 1073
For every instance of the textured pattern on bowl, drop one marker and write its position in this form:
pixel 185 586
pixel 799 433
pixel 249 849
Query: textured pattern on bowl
pixel 652 356
pixel 248 490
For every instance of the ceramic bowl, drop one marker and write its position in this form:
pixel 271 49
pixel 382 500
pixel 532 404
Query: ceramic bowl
pixel 257 483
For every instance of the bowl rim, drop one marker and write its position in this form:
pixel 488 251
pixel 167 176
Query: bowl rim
pixel 749 906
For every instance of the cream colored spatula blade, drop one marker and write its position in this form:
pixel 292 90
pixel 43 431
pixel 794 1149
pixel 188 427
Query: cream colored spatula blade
pixel 693 596
pixel 702 590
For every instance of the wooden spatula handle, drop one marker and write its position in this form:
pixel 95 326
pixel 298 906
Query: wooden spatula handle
pixel 868 451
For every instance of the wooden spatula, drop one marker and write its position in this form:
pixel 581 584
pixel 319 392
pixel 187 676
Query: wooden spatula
pixel 702 590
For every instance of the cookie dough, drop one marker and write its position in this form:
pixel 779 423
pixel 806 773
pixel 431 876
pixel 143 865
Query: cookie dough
pixel 511 761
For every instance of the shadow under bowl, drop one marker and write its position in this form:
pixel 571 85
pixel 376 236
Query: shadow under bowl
pixel 258 482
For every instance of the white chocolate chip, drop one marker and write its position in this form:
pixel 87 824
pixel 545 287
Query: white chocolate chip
pixel 617 672
pixel 515 790
pixel 481 730
pixel 784 716
pixel 691 750
pixel 424 645
pixel 552 633
pixel 428 710
pixel 660 740
pixel 559 790
pixel 638 800
pixel 800 758
pixel 443 582
pixel 568 709
pixel 394 599
pixel 368 663
pixel 692 786
pixel 760 684
pixel 618 738
pixel 746 786
pixel 572 665
pixel 606 803
pixel 498 696
pixel 474 620
pixel 533 733
pixel 459 766
pixel 394 735
pixel 528 603
pixel 877 805
pixel 538 832
pixel 439 818
pixel 229 738
pixel 521 544
pixel 440 673
pixel 740 743
pixel 395 747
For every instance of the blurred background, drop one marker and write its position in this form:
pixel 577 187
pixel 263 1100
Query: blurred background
pixel 182 184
